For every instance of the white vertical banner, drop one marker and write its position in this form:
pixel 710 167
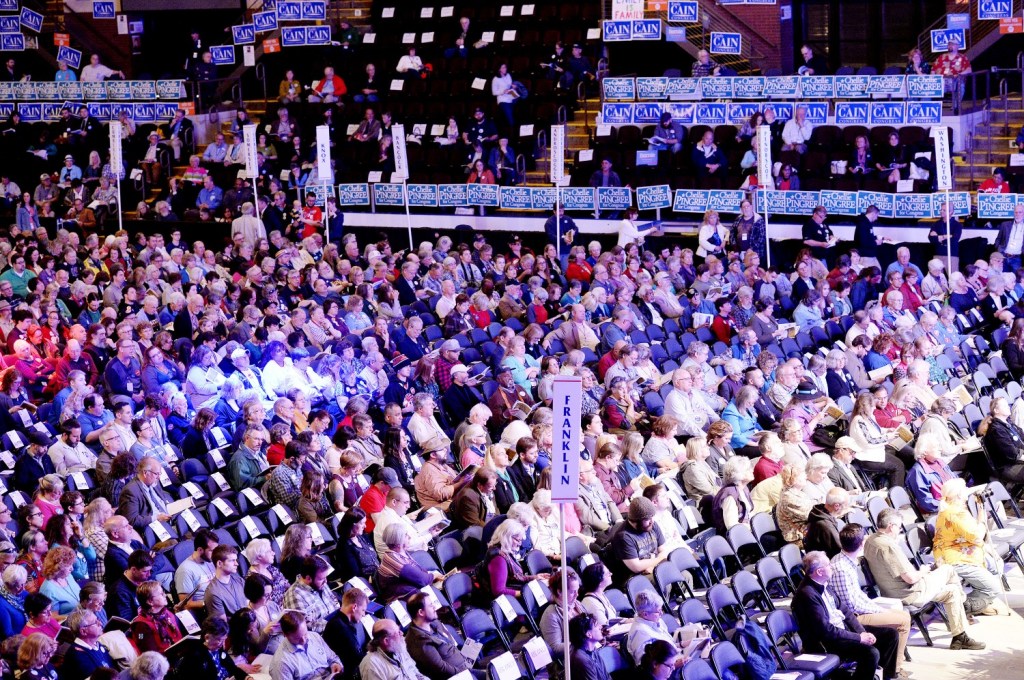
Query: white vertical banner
pixel 401 157
pixel 557 154
pixel 116 159
pixel 567 404
pixel 764 156
pixel 943 167
pixel 249 140
pixel 323 153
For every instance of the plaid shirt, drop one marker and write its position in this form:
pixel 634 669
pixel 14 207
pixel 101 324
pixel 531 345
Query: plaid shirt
pixel 846 586
pixel 317 605
pixel 284 486
pixel 443 371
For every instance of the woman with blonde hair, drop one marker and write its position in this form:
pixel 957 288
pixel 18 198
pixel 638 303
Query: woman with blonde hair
pixel 34 658
pixel 695 475
pixel 712 235
pixel 48 496
pixel 794 505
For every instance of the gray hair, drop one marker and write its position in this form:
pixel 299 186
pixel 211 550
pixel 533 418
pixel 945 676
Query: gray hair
pixel 75 619
pixel 929 442
pixel 482 410
pixel 735 470
pixel 819 461
pixel 733 366
pixel 232 387
pixel 834 359
pixel 747 395
pixel 647 601
pixel 149 666
pixel 395 535
pixel 917 368
pixel 890 517
pixel 255 547
pixel 503 535
pixel 814 560
pixel 15 574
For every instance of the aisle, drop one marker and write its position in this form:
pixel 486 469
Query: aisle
pixel 1003 659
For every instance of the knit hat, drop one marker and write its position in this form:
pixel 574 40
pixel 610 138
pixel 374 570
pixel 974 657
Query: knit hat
pixel 400 361
pixel 641 509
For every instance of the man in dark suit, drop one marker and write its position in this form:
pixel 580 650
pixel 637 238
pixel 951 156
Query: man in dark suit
pixel 524 472
pixel 823 523
pixel 187 320
pixel 469 505
pixel 345 633
pixel 405 284
pixel 825 625
pixel 180 130
pixel 842 473
pixel 142 500
pixel 123 600
pixel 120 549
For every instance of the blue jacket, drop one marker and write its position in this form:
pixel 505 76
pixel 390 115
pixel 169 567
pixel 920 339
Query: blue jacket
pixel 919 484
pixel 743 426
pixel 11 620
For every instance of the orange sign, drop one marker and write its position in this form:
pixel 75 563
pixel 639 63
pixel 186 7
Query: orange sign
pixel 657 5
pixel 62 39
pixel 271 45
pixel 1014 25
pixel 188 107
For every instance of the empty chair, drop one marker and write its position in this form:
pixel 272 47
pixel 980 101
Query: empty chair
pixel 782 630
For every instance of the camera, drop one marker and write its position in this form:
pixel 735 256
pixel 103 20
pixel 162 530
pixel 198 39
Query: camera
pixel 984 493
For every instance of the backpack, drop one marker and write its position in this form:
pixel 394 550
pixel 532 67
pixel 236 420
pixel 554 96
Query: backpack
pixel 754 644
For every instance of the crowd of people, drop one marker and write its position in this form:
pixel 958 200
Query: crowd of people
pixel 307 456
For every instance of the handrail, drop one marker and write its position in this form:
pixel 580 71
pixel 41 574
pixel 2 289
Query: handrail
pixel 521 167
pixel 562 114
pixel 970 155
pixel 261 75
pixel 542 140
pixel 1004 92
pixel 959 86
pixel 581 96
pixel 237 89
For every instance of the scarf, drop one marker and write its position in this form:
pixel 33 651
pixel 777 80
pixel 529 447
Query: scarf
pixel 12 599
pixel 940 469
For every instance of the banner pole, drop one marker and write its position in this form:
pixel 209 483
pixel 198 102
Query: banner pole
pixel 120 217
pixel 949 242
pixel 408 215
pixel 564 604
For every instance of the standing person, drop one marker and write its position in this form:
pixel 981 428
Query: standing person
pixel 748 232
pixel 865 239
pixel 819 237
pixel 937 237
pixel 952 65
pixel 825 625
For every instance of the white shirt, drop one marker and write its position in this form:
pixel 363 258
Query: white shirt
pixel 1015 243
pixel 797 133
pixel 94 73
pixel 628 233
pixel 386 518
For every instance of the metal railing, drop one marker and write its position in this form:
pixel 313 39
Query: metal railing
pixel 261 76
pixel 974 34
pixel 979 91
pixel 969 143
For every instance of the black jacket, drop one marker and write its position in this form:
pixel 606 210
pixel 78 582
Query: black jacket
pixel 1013 355
pixel 1005 443
pixel 822 531
pixel 816 630
pixel 526 485
pixel 199 665
pixel 348 640
pixel 80 662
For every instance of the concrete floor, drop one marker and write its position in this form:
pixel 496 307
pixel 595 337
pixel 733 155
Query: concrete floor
pixel 1003 659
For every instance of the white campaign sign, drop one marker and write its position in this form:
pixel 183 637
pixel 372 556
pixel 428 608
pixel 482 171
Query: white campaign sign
pixel 567 405
pixel 764 156
pixel 557 153
pixel 401 157
pixel 116 160
pixel 943 169
pixel 323 153
pixel 249 139
pixel 627 9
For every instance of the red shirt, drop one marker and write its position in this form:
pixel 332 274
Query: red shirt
pixel 481 317
pixel 766 468
pixel 579 271
pixel 892 416
pixel 372 502
pixel 313 214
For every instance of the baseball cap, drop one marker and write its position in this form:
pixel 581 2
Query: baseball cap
pixel 460 368
pixel 451 346
pixel 388 476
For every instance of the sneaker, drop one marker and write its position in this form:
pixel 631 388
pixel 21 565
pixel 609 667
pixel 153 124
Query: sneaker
pixel 962 641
